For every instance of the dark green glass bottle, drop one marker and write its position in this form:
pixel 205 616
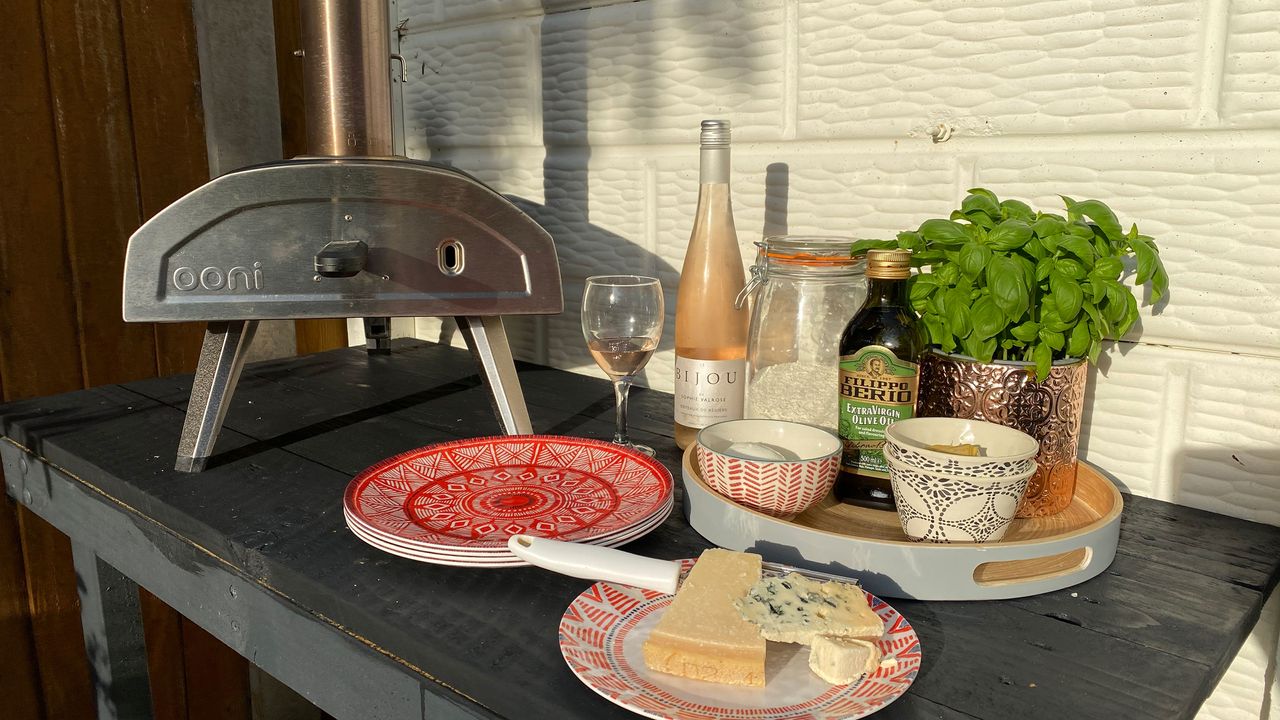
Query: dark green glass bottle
pixel 879 375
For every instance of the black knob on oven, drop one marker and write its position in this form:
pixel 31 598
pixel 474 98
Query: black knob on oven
pixel 342 258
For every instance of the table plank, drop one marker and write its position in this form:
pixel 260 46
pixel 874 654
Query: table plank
pixel 1139 639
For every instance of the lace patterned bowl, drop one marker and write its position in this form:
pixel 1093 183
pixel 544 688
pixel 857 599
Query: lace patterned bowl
pixel 1006 451
pixel 940 507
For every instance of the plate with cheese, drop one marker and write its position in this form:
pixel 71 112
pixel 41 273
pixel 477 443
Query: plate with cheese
pixel 740 639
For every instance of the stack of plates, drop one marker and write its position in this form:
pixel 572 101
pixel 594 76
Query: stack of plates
pixel 457 503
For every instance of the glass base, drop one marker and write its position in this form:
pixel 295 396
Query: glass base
pixel 642 449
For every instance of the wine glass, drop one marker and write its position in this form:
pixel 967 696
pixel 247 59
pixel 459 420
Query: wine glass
pixel 622 323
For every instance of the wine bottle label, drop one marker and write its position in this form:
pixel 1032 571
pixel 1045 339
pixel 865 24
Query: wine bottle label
pixel 709 391
pixel 876 389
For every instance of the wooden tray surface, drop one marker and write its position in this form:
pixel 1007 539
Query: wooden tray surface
pixel 1036 554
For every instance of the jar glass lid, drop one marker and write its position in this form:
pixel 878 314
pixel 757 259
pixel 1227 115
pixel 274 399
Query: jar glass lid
pixel 811 250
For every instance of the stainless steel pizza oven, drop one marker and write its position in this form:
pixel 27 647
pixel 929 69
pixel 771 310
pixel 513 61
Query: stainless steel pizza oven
pixel 338 236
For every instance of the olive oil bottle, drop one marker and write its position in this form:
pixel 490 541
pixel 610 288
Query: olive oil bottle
pixel 879 374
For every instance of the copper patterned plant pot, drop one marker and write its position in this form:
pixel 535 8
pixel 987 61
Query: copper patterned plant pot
pixel 1007 393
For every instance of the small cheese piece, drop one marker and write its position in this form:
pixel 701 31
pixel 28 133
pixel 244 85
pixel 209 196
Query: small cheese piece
pixel 968 449
pixel 794 608
pixel 701 635
pixel 840 661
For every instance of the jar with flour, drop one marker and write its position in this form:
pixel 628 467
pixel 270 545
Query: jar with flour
pixel 806 289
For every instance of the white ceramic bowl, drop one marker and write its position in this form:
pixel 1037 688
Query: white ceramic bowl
pixel 1008 451
pixel 939 507
pixel 774 466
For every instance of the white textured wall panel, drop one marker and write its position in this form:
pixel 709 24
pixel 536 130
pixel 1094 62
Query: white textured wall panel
pixel 993 67
pixel 470 85
pixel 1215 212
pixel 1251 74
pixel 1192 427
pixel 646 72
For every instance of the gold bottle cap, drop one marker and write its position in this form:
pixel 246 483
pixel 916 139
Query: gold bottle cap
pixel 889 264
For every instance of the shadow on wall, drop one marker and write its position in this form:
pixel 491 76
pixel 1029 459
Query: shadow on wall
pixel 584 248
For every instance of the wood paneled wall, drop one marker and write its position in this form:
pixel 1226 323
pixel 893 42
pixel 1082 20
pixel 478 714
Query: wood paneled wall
pixel 101 126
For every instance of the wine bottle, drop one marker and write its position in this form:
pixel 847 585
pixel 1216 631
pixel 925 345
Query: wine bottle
pixel 880 350
pixel 711 334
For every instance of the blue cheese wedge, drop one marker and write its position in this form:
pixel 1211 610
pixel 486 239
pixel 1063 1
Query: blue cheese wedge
pixel 796 609
pixel 841 661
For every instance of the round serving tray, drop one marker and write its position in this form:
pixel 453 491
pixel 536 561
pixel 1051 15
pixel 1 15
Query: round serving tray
pixel 1036 555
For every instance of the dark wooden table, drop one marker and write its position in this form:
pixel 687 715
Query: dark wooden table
pixel 255 551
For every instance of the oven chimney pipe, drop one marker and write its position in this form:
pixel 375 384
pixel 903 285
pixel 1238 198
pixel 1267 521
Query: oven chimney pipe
pixel 347 77
pixel 347 92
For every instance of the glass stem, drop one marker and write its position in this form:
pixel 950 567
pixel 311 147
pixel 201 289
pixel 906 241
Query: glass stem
pixel 621 389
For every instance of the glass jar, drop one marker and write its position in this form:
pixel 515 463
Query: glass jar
pixel 806 289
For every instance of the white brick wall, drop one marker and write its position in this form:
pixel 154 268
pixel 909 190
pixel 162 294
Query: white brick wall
pixel 1169 110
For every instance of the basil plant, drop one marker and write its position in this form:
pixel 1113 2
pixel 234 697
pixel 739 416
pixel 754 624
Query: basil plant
pixel 1006 282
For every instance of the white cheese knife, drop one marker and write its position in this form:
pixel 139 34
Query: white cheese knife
pixel 596 562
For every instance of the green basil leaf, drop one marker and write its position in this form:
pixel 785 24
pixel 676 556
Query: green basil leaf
pixel 1095 291
pixel 1035 248
pixel 985 193
pixel 983 350
pixel 1028 270
pixel 1067 295
pixel 934 327
pixel 862 246
pixel 958 312
pixel 1079 229
pixel 1048 225
pixel 944 232
pixel 1026 332
pixel 1130 315
pixel 920 291
pixel 1079 247
pixel 1078 343
pixel 973 258
pixel 1114 311
pixel 1095 349
pixel 1042 356
pixel 947 274
pixel 907 238
pixel 1051 242
pixel 1147 260
pixel 1107 268
pixel 1004 277
pixel 1044 267
pixel 1070 268
pixel 1017 209
pixel 1009 235
pixel 927 257
pixel 980 203
pixel 986 318
pixel 1100 215
pixel 1054 340
pixel 1159 283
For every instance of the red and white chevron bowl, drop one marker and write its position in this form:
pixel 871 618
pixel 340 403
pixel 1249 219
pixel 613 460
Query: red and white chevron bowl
pixel 776 487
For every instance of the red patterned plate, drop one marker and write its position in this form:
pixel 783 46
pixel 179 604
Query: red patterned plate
pixel 414 552
pixel 474 494
pixel 602 632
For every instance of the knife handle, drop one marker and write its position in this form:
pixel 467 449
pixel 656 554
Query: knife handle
pixel 595 562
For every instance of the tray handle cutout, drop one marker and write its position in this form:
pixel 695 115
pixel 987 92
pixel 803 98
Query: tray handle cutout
pixel 1017 572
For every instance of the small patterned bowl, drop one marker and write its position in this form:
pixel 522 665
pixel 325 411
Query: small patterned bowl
pixel 1008 451
pixel 777 467
pixel 938 507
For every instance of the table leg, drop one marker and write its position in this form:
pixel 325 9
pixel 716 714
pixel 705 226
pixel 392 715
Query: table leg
pixel 113 640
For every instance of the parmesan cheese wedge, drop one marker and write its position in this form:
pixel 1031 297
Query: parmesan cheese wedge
pixel 701 635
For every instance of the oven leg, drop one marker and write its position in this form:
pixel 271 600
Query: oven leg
pixel 221 359
pixel 487 340
pixel 377 335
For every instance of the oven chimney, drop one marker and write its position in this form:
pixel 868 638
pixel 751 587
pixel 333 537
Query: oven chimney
pixel 347 91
